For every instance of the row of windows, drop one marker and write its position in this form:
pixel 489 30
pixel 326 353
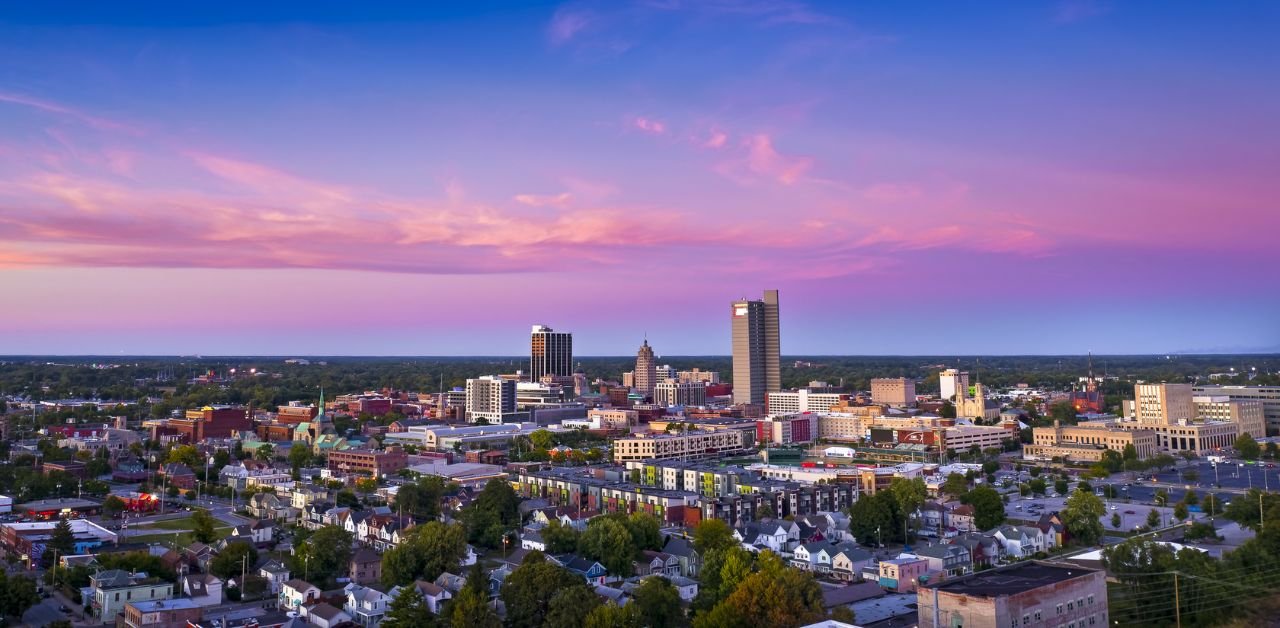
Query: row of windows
pixel 1070 605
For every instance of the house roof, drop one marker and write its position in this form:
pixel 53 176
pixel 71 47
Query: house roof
pixel 274 566
pixel 298 584
pixel 365 555
pixel 325 611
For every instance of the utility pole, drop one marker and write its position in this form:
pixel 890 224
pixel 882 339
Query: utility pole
pixel 1177 602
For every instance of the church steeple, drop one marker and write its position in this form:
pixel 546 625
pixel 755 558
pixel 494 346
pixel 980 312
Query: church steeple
pixel 320 414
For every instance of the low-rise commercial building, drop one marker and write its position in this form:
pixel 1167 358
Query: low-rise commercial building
pixel 1032 594
pixel 803 400
pixel 1247 413
pixel 1269 396
pixel 1087 442
pixel 160 614
pixel 366 461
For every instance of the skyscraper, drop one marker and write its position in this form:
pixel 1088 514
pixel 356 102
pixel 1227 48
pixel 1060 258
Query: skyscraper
pixel 490 399
pixel 756 347
pixel 646 373
pixel 551 353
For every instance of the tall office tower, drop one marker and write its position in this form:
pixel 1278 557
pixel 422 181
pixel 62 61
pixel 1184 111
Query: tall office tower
pixel 646 373
pixel 756 347
pixel 1163 404
pixel 551 352
pixel 953 383
pixel 490 398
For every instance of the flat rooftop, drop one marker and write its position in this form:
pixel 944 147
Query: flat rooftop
pixel 1011 580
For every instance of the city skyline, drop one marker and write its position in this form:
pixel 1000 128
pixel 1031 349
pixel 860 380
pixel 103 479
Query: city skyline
pixel 1014 178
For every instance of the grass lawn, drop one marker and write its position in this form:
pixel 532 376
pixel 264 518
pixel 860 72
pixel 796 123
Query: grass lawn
pixel 167 524
pixel 166 538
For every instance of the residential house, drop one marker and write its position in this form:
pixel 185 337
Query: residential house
pixel 1020 541
pixel 365 605
pixel 653 563
pixel 686 587
pixel 198 555
pixel 203 588
pixel 902 574
pixel 814 557
pixel 777 536
pixel 113 588
pixel 1055 532
pixel 592 571
pixel 324 615
pixel 932 518
pixel 432 593
pixel 848 563
pixel 948 560
pixel 179 475
pixel 960 518
pixel 271 506
pixel 295 594
pixel 452 583
pixel 532 540
pixel 984 550
pixel 834 526
pixel 263 532
pixel 276 574
pixel 365 566
pixel 689 558
pixel 313 515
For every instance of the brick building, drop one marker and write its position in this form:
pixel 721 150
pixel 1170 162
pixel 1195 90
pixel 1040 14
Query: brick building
pixel 376 463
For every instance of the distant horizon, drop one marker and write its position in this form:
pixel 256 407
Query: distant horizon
pixel 287 356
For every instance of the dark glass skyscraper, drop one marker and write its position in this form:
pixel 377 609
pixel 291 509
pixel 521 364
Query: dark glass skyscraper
pixel 551 353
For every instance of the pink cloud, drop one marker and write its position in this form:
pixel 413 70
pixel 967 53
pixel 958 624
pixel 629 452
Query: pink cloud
pixel 892 192
pixel 649 125
pixel 764 160
pixel 717 139
pixel 566 24
pixel 543 200
pixel 64 110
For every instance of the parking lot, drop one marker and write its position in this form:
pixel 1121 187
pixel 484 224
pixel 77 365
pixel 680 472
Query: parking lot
pixel 1132 515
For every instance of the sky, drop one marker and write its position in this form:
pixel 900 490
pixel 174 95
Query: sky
pixel 326 178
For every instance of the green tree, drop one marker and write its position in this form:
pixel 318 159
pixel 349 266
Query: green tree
pixel 658 603
pixel 528 590
pixel 230 561
pixel 264 452
pixel 1179 512
pixel 569 607
pixel 19 594
pixel 542 439
pixel 873 518
pixel 1161 497
pixel 646 532
pixel 1063 411
pixel 1037 486
pixel 185 454
pixel 775 595
pixel 1211 504
pixel 909 496
pixel 560 538
pixel 470 607
pixel 112 506
pixel 988 507
pixel 948 410
pixel 366 485
pixel 494 512
pixel 299 456
pixel 1130 454
pixel 203 526
pixel 1116 521
pixel 609 542
pixel 843 614
pixel 62 542
pixel 765 511
pixel 325 555
pixel 1081 517
pixel 1248 447
pixel 712 534
pixel 955 485
pixel 1153 518
pixel 1060 486
pixel 1190 498
pixel 427 551
pixel 610 615
pixel 408 609
pixel 423 498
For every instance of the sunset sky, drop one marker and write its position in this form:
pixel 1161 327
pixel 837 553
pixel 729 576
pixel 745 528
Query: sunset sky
pixel 915 178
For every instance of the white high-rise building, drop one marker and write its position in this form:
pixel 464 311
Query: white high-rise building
pixel 671 392
pixel 489 398
pixel 953 382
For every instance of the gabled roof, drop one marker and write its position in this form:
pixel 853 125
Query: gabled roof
pixel 365 555
pixel 678 546
pixel 325 611
pixel 298 584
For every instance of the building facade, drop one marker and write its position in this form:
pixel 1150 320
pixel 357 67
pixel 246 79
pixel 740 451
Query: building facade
pixel 1268 395
pixel 550 353
pixel 490 399
pixel 671 392
pixel 803 400
pixel 689 445
pixel 894 391
pixel 646 373
pixel 1247 413
pixel 1031 594
pixel 1165 404
pixel 1087 443
pixel 365 461
pixel 756 348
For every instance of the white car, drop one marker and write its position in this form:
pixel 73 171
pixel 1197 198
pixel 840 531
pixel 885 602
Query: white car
pixel 1113 507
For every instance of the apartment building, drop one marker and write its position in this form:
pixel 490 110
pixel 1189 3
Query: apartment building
pixel 803 400
pixel 367 461
pixel 670 392
pixel 688 445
